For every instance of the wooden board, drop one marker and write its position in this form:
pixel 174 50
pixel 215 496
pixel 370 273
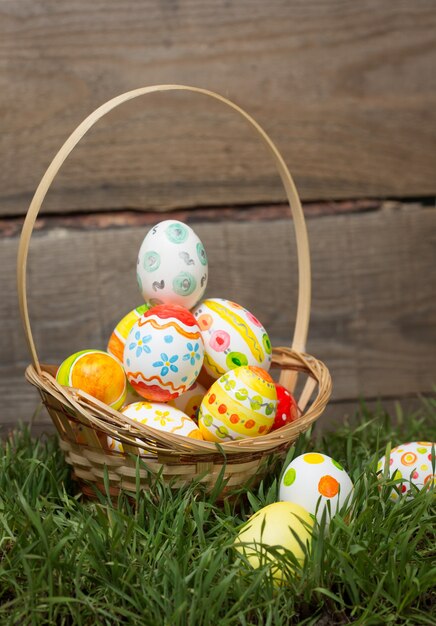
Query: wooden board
pixel 347 90
pixel 373 310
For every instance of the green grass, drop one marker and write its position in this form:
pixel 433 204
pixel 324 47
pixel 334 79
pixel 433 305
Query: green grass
pixel 166 557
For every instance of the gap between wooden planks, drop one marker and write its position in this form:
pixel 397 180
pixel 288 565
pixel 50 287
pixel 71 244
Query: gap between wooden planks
pixel 373 310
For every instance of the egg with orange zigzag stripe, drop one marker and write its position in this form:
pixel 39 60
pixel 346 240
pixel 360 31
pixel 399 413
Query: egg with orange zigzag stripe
pixel 164 352
pixel 240 404
pixel 232 337
pixel 117 340
pixel 160 416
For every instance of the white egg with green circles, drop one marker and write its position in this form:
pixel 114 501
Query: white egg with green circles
pixel 315 481
pixel 172 265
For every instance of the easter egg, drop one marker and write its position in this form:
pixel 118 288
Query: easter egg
pixel 240 404
pixel 189 402
pixel 118 338
pixel 232 337
pixel 313 479
pixel 163 353
pixel 160 416
pixel 96 372
pixel 281 526
pixel 413 463
pixel 287 407
pixel 172 265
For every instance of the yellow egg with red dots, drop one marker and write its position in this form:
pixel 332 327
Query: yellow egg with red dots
pixel 97 373
pixel 410 463
pixel 240 404
pixel 315 481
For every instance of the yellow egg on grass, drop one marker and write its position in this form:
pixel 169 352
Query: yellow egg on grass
pixel 271 532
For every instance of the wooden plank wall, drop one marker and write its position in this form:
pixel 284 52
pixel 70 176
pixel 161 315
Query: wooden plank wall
pixel 373 312
pixel 348 93
pixel 347 90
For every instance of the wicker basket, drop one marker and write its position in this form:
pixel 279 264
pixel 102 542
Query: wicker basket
pixel 177 459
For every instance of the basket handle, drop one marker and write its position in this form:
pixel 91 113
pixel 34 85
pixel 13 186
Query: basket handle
pixel 303 307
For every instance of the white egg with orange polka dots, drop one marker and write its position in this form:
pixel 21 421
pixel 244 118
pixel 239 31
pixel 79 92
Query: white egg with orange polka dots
pixel 412 462
pixel 313 479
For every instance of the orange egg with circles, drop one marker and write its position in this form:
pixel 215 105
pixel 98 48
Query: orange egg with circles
pixel 315 481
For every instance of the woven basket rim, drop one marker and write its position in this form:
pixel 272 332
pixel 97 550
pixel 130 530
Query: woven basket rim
pixel 81 407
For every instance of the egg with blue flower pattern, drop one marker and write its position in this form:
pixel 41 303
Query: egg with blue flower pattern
pixel 164 353
pixel 117 340
pixel 172 265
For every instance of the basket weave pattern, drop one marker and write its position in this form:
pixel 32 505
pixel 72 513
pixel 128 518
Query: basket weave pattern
pixel 84 423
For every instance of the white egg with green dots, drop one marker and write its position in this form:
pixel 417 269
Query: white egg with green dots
pixel 172 265
pixel 312 480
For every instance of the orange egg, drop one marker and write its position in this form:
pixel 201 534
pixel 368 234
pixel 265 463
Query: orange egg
pixel 97 373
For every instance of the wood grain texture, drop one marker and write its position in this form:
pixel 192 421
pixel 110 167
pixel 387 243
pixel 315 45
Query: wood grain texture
pixel 346 89
pixel 373 310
